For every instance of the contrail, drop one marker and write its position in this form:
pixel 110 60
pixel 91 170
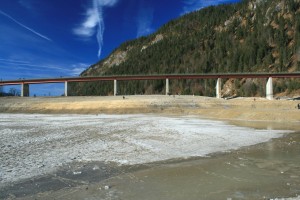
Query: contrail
pixel 100 32
pixel 94 20
pixel 26 27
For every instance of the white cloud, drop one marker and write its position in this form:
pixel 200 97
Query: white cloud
pixel 78 68
pixel 94 22
pixel 87 27
pixel 29 66
pixel 107 2
pixel 35 69
pixel 26 27
pixel 26 69
pixel 193 5
pixel 144 21
pixel 12 61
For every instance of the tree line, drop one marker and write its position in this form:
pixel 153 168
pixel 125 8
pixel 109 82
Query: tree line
pixel 242 37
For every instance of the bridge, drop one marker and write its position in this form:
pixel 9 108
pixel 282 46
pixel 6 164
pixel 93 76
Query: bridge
pixel 269 87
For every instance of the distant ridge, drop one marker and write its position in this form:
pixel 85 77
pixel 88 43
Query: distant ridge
pixel 251 36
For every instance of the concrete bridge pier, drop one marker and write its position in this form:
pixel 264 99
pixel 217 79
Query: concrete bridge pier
pixel 24 90
pixel 115 88
pixel 269 89
pixel 218 88
pixel 167 87
pixel 66 88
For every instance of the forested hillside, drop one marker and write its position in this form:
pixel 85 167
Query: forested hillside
pixel 251 36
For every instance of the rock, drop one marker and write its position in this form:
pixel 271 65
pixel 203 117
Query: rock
pixel 107 187
pixel 42 166
pixel 77 173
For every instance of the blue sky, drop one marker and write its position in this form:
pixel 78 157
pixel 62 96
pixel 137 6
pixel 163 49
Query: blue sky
pixel 53 38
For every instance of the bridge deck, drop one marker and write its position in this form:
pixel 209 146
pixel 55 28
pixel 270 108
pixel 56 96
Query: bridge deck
pixel 149 77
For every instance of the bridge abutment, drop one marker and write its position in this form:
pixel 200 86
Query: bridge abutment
pixel 24 90
pixel 269 89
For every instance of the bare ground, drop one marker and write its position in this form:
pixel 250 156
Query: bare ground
pixel 245 109
pixel 241 110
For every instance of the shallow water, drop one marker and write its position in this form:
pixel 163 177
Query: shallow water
pixel 263 171
pixel 66 154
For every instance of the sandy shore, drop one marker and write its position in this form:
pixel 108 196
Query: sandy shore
pixel 244 109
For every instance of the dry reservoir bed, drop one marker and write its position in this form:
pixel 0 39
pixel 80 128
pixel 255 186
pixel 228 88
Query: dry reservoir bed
pixel 35 144
pixel 169 154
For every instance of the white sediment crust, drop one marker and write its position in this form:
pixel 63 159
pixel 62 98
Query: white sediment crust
pixel 292 198
pixel 32 145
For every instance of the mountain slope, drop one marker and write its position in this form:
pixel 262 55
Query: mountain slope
pixel 251 36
